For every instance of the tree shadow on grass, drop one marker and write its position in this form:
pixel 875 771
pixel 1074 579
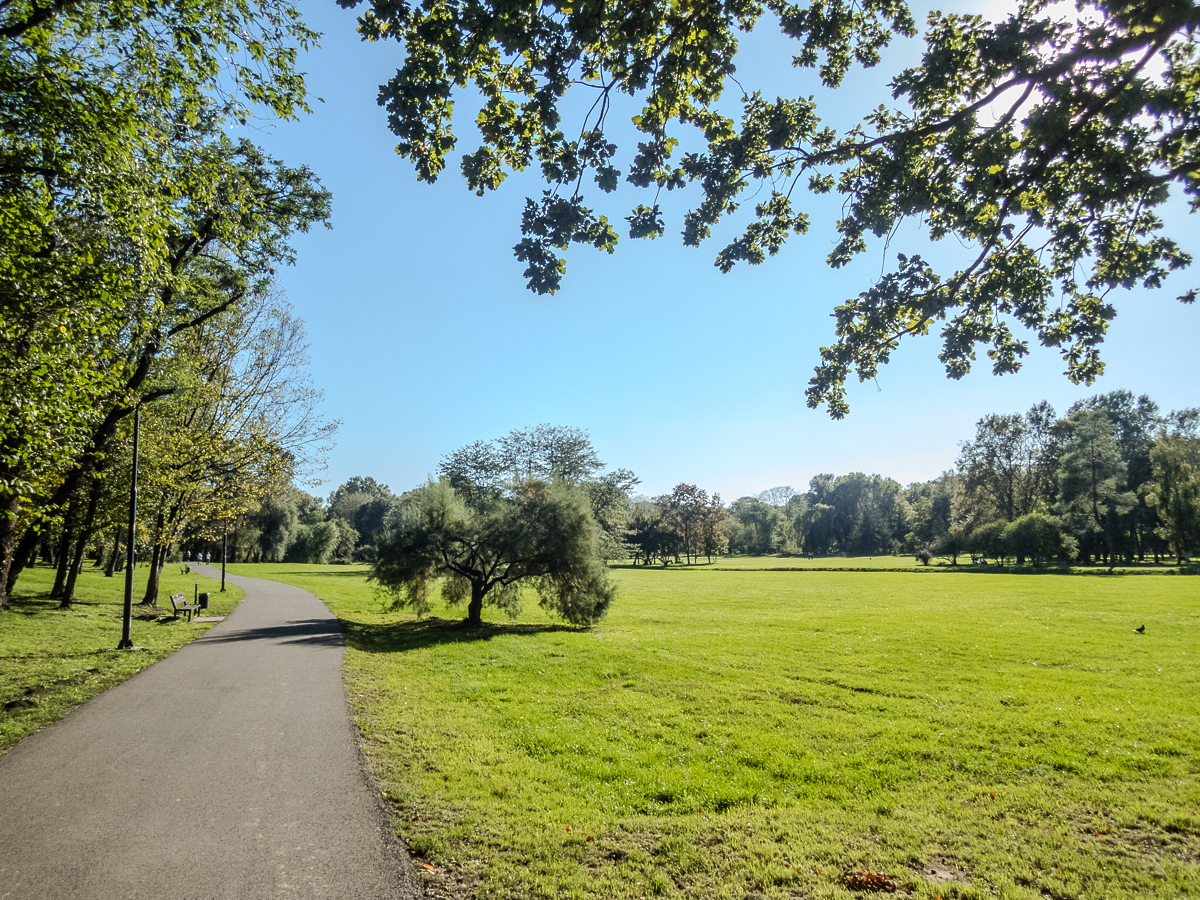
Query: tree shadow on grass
pixel 398 637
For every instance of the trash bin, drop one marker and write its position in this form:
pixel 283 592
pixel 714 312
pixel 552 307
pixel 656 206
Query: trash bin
pixel 204 600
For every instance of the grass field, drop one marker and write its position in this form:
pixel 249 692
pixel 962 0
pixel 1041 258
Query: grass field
pixel 52 659
pixel 753 734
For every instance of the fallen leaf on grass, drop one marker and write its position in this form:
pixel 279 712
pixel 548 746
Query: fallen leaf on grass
pixel 866 880
pixel 428 868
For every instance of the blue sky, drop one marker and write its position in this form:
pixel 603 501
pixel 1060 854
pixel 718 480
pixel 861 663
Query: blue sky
pixel 424 338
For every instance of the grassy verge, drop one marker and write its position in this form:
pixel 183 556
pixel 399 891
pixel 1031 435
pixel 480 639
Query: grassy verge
pixel 52 659
pixel 758 734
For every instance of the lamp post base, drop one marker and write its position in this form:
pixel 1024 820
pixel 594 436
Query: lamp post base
pixel 125 644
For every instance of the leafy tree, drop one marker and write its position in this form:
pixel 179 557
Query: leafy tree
pixel 686 507
pixel 318 542
pixel 990 540
pixel 931 510
pixel 609 495
pixel 1092 486
pixel 543 452
pixel 1036 536
pixel 1007 469
pixel 650 534
pixel 362 504
pixel 952 543
pixel 488 469
pixel 356 486
pixel 1175 492
pixel 1043 143
pixel 777 496
pixel 107 113
pixel 712 529
pixel 1136 421
pixel 867 514
pixel 485 547
pixel 758 524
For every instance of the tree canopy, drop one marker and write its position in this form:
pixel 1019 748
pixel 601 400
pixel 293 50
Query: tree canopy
pixel 486 548
pixel 1043 143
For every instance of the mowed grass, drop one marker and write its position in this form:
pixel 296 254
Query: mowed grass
pixel 751 734
pixel 52 660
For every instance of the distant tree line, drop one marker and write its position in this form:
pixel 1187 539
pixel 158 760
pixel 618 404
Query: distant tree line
pixel 1113 480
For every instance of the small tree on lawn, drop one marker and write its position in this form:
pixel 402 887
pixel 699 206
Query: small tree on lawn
pixel 1038 535
pixel 952 543
pixel 989 540
pixel 540 533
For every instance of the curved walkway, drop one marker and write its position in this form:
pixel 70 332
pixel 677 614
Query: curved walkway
pixel 230 769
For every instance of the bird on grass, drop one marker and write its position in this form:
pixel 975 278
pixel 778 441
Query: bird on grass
pixel 1141 629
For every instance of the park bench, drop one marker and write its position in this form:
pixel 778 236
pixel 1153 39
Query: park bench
pixel 179 603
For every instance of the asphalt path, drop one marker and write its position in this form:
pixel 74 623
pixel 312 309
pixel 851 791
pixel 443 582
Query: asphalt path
pixel 230 769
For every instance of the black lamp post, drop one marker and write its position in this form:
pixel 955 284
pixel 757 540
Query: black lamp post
pixel 130 555
pixel 224 535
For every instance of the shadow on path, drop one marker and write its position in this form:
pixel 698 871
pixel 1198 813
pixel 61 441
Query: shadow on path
pixel 305 631
pixel 397 637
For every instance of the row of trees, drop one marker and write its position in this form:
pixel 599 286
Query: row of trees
pixel 140 243
pixel 1114 479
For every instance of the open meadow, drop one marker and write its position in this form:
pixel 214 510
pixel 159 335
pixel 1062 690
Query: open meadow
pixel 760 734
pixel 53 659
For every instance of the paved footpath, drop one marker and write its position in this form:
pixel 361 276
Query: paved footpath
pixel 230 769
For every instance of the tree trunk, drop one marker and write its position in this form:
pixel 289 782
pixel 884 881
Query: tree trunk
pixel 157 558
pixel 63 555
pixel 81 542
pixel 111 565
pixel 8 541
pixel 68 594
pixel 475 607
pixel 17 565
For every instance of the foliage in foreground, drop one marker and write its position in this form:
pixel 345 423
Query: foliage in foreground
pixel 53 659
pixel 733 734
pixel 1044 143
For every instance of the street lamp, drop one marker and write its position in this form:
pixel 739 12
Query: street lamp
pixel 224 535
pixel 130 553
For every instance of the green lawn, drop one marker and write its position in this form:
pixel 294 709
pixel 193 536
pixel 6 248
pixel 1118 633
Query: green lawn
pixel 741 734
pixel 52 659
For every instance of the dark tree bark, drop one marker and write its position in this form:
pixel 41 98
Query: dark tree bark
pixel 111 565
pixel 8 540
pixel 157 558
pixel 63 556
pixel 81 542
pixel 475 607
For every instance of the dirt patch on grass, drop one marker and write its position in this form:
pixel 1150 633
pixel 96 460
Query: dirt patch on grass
pixel 942 870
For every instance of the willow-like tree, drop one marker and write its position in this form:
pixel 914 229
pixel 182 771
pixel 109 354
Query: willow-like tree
pixel 485 546
pixel 1043 144
pixel 1175 492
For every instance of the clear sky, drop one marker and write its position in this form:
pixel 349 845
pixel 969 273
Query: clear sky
pixel 424 337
